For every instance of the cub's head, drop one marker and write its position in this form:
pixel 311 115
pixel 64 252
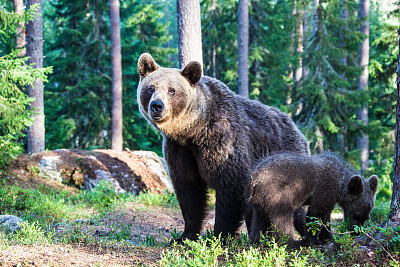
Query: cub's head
pixel 359 199
pixel 168 97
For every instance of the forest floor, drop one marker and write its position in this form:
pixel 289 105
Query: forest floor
pixel 135 233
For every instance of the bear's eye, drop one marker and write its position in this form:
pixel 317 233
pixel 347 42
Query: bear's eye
pixel 151 89
pixel 171 91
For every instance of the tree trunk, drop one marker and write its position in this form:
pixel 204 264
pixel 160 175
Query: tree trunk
pixel 116 110
pixel 34 49
pixel 299 70
pixel 305 41
pixel 21 39
pixel 189 32
pixel 291 71
pixel 243 53
pixel 314 18
pixel 344 16
pixel 394 214
pixel 362 81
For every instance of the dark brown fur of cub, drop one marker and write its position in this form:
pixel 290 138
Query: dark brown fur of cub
pixel 281 183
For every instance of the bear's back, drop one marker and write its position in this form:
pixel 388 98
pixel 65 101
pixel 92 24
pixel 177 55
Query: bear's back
pixel 263 129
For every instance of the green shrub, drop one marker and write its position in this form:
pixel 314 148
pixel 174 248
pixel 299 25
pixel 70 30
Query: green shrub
pixel 15 74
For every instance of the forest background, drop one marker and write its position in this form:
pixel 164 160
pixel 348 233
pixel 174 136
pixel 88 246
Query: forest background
pixel 323 103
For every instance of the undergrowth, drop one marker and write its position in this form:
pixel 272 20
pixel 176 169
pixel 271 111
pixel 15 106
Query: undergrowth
pixel 57 217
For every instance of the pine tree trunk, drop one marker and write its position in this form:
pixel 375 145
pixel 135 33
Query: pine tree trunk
pixel 299 70
pixel 21 39
pixel 116 110
pixel 362 81
pixel 305 41
pixel 344 16
pixel 189 32
pixel 314 17
pixel 394 214
pixel 243 53
pixel 34 49
pixel 291 71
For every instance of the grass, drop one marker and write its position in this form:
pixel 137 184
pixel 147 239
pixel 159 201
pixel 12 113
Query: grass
pixel 56 217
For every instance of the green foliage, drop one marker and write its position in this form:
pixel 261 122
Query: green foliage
pixel 103 195
pixel 211 251
pixel 325 101
pixel 14 76
pixel 33 205
pixel 78 97
pixel 167 199
pixel 315 225
pixel 31 234
pixel 198 253
pixel 380 211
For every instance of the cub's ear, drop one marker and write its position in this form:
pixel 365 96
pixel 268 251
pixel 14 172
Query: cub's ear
pixel 192 72
pixel 373 183
pixel 146 65
pixel 355 185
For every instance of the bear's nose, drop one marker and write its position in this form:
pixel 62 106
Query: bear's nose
pixel 156 106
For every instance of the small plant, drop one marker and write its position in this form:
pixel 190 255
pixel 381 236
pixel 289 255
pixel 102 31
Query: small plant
pixel 175 233
pixel 203 252
pixel 103 195
pixel 167 199
pixel 315 225
pixel 35 170
pixel 32 233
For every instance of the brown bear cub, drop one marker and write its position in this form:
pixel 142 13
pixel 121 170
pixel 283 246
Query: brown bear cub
pixel 212 138
pixel 284 182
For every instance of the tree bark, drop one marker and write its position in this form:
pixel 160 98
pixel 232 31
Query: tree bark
pixel 305 41
pixel 34 49
pixel 243 53
pixel 314 17
pixel 394 214
pixel 300 48
pixel 344 16
pixel 116 110
pixel 189 32
pixel 362 81
pixel 21 39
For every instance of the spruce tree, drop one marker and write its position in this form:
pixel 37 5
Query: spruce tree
pixel 14 115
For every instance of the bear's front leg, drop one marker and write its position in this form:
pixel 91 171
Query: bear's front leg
pixel 190 189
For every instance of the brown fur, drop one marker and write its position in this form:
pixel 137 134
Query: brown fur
pixel 283 182
pixel 212 137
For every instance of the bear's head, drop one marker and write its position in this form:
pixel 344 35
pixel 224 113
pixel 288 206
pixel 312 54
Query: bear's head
pixel 167 97
pixel 359 199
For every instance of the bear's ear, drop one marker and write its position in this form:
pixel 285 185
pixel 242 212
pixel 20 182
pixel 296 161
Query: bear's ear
pixel 373 183
pixel 192 72
pixel 146 65
pixel 355 185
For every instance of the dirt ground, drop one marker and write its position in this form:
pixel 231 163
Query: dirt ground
pixel 146 221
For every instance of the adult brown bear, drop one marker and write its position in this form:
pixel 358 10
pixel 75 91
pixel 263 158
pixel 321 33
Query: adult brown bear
pixel 212 137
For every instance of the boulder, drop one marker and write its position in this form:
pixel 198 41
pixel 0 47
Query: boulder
pixel 128 171
pixel 10 223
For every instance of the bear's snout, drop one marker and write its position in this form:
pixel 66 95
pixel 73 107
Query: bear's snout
pixel 156 108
